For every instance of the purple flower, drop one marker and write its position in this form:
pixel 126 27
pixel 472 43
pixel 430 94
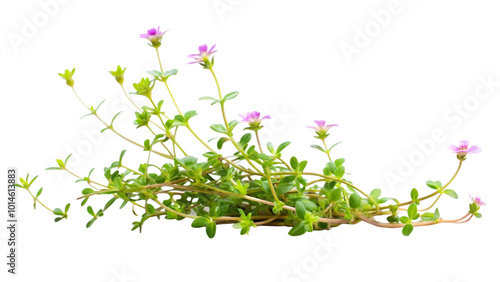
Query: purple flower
pixel 203 56
pixel 477 200
pixel 253 119
pixel 154 35
pixel 322 128
pixel 463 149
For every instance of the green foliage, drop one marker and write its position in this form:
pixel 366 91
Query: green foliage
pixel 162 76
pixel 451 193
pixel 118 74
pixel 144 87
pixel 245 223
pixel 68 76
pixel 434 184
pixel 253 182
pixel 407 229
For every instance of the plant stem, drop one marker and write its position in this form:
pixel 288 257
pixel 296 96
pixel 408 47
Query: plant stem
pixel 258 141
pixel 173 155
pixel 227 125
pixel 432 194
pixel 271 186
pixel 116 132
pixel 174 211
pixel 326 149
pixel 36 199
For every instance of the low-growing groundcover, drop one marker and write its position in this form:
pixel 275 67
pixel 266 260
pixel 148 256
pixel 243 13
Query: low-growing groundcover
pixel 256 186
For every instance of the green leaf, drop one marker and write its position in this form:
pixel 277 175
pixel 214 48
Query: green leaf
pixel 375 193
pixel 339 162
pixel 266 188
pixel 300 209
pixel 187 161
pixel 412 211
pixel 393 219
pixel 169 73
pixel 298 229
pixel 264 157
pixel 331 167
pixel 215 102
pixel 302 166
pixel 428 216
pixel 451 193
pixel 150 209
pixel 270 147
pixel 87 191
pixel 207 98
pixel 214 211
pixel 309 205
pixel 39 193
pixel 210 229
pixel 218 128
pixel 221 142
pixel 90 211
pixel 58 211
pixel 404 219
pixel 288 179
pixel 318 148
pixel 283 188
pixel 414 194
pixel 66 208
pixel 340 172
pixel 100 213
pixel 230 96
pixel 90 222
pixel 354 201
pixel 123 204
pixel 436 215
pixel 109 203
pixel 434 184
pixel 478 215
pixel 190 114
pixel 331 147
pixel 245 139
pixel 294 163
pixel 232 124
pixel 407 229
pixel 200 222
pixel 336 193
pixel 121 156
pixel 282 147
pixel 84 201
pixel 383 200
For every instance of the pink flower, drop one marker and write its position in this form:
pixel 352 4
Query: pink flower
pixel 322 128
pixel 477 200
pixel 154 36
pixel 203 56
pixel 253 119
pixel 463 149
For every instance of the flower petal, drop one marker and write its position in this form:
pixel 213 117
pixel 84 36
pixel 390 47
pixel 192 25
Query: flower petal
pixel 454 148
pixel 202 48
pixel 152 31
pixel 320 122
pixel 474 150
pixel 464 144
pixel 211 49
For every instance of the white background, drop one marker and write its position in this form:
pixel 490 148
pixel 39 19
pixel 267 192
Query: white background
pixel 409 78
